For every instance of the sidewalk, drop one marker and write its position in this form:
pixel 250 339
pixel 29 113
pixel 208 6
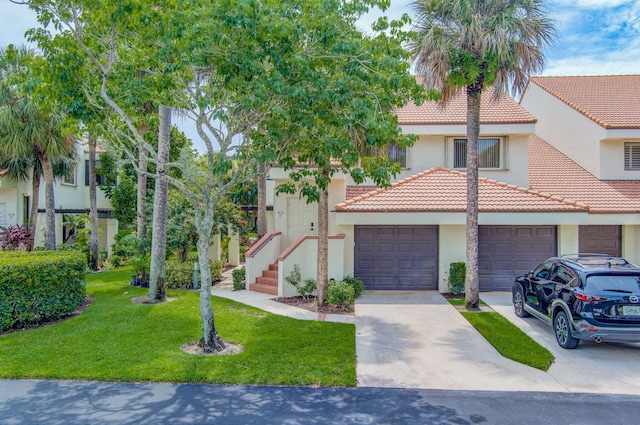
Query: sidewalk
pixel 265 302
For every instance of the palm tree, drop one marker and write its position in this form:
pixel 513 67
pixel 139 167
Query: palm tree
pixel 470 45
pixel 29 168
pixel 25 130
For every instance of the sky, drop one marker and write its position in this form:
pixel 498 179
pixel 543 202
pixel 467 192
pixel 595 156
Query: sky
pixel 595 37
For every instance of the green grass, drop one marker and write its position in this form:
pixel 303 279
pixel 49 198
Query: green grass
pixel 118 340
pixel 509 340
pixel 460 301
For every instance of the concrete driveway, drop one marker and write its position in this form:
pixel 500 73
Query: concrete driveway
pixel 599 368
pixel 418 340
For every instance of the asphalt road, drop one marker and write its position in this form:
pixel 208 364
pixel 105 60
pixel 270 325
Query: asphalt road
pixel 65 402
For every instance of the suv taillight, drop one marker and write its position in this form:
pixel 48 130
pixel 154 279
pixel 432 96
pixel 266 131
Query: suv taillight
pixel 588 298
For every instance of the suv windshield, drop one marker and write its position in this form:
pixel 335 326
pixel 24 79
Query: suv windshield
pixel 614 283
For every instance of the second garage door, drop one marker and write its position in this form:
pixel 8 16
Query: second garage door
pixel 505 252
pixel 601 240
pixel 397 257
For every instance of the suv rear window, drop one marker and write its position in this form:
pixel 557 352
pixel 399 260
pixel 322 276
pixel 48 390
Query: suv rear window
pixel 615 283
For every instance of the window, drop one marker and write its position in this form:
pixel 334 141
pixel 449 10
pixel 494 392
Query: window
pixel 488 153
pixel 99 179
pixel 397 154
pixel 70 178
pixel 26 210
pixel 632 156
pixel 543 271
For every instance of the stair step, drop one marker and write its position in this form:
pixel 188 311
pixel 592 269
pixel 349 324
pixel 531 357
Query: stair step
pixel 273 266
pixel 265 289
pixel 270 273
pixel 267 281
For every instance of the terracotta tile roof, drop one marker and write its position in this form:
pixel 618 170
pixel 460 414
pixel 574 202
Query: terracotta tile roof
pixel 441 189
pixel 610 100
pixel 503 111
pixel 355 191
pixel 553 172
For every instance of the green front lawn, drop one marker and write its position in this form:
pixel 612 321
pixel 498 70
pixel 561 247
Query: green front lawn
pixel 118 340
pixel 507 338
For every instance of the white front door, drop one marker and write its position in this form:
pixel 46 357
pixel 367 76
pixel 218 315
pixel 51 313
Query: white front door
pixel 303 218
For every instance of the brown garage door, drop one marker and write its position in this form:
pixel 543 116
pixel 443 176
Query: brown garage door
pixel 600 240
pixel 505 252
pixel 397 257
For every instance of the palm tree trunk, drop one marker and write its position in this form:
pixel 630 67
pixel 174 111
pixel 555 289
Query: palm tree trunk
pixel 50 204
pixel 157 287
pixel 93 205
pixel 35 200
pixel 472 295
pixel 262 199
pixel 323 242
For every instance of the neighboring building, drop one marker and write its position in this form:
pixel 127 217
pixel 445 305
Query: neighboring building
pixel 534 201
pixel 71 198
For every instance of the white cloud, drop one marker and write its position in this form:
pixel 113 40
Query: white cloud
pixel 593 4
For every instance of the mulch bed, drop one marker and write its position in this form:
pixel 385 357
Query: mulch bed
pixel 86 303
pixel 311 305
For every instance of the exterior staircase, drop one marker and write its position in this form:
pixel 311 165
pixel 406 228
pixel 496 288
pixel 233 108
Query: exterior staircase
pixel 268 282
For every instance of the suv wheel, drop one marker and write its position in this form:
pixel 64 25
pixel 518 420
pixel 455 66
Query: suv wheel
pixel 562 329
pixel 518 302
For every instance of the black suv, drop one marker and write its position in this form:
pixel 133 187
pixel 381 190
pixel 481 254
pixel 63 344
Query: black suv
pixel 583 296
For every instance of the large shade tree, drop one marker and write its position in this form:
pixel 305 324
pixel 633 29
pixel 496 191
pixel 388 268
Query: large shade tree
pixel 465 46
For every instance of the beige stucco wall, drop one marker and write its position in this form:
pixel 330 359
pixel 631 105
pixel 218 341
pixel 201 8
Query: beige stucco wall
pixel 305 256
pixel 568 130
pixel 568 239
pixel 12 194
pixel 452 247
pixel 631 243
pixel 612 160
pixel 434 148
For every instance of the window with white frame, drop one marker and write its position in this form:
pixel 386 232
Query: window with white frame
pixel 632 156
pixel 70 178
pixel 397 154
pixel 489 153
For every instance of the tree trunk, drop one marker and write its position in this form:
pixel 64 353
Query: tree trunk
pixel 141 217
pixel 262 199
pixel 157 286
pixel 472 295
pixel 211 340
pixel 323 243
pixel 35 201
pixel 93 205
pixel 50 204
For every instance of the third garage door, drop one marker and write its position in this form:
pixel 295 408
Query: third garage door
pixel 505 252
pixel 397 257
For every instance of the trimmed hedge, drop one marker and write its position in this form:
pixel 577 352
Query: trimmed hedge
pixel 39 286
pixel 179 275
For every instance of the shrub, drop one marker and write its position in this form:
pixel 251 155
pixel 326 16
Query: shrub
pixel 179 274
pixel 308 287
pixel 457 277
pixel 238 278
pixel 116 260
pixel 340 293
pixel 358 286
pixel 16 238
pixel 305 288
pixel 39 286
